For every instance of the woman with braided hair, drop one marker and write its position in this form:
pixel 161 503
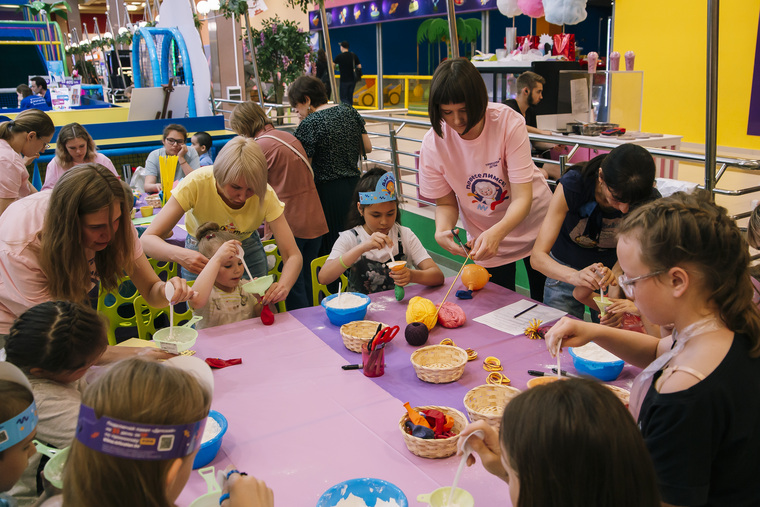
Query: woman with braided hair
pixel 686 264
pixel 67 243
pixel 54 344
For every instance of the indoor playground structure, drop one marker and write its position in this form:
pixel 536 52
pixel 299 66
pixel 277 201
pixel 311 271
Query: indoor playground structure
pixel 159 54
pixel 27 46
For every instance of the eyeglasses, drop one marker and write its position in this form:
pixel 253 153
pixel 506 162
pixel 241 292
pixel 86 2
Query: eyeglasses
pixel 45 147
pixel 627 284
pixel 175 141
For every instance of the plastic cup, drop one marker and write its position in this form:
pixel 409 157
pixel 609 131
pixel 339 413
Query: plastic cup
pixel 396 265
pixel 374 361
pixel 614 62
pixel 593 58
pixel 630 56
pixel 146 211
pixel 440 498
pixel 602 304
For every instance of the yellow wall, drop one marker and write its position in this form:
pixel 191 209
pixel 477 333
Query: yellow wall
pixel 669 38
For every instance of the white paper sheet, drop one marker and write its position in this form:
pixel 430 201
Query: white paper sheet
pixel 504 319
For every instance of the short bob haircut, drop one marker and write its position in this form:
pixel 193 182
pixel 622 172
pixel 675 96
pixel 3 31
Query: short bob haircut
pixel 175 127
pixel 69 133
pixel 457 81
pixel 573 443
pixel 308 86
pixel 240 158
pixel 248 119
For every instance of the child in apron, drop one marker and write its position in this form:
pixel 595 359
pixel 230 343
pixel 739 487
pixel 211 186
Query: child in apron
pixel 374 235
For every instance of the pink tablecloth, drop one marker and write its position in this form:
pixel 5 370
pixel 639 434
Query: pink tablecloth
pixel 301 423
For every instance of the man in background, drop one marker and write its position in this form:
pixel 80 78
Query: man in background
pixel 350 72
pixel 530 91
pixel 39 87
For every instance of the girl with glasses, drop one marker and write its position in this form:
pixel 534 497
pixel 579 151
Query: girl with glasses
pixel 686 264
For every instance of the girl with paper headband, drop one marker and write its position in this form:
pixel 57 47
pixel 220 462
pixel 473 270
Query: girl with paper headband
pixel 375 234
pixel 18 425
pixel 170 403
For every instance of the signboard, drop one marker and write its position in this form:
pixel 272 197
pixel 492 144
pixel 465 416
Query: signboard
pixel 380 11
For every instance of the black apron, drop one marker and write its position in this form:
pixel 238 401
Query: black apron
pixel 368 276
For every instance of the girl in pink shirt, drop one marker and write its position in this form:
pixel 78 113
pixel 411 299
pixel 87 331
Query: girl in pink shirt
pixel 74 146
pixel 25 136
pixel 476 162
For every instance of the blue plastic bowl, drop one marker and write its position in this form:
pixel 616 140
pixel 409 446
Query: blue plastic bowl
pixel 209 449
pixel 605 371
pixel 339 316
pixel 368 489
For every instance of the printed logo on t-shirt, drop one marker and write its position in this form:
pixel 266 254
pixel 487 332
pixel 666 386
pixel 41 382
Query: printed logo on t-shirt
pixel 487 190
pixel 230 227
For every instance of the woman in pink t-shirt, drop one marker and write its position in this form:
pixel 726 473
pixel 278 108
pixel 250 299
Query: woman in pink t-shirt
pixel 57 245
pixel 475 162
pixel 25 136
pixel 74 146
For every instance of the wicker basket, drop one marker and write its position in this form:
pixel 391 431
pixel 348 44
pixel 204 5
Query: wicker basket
pixel 439 364
pixel 432 448
pixel 487 403
pixel 358 332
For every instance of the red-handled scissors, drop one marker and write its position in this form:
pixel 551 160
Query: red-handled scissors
pixel 384 336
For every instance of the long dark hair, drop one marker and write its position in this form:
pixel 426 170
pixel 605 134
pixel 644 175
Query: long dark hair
pixel 57 336
pixel 628 171
pixel 573 443
pixel 690 230
pixel 367 183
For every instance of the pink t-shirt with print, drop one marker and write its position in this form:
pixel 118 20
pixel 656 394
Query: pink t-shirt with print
pixel 23 284
pixel 14 179
pixel 480 172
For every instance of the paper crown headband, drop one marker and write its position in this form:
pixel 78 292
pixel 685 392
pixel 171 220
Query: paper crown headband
pixel 145 441
pixel 138 441
pixel 20 426
pixel 385 191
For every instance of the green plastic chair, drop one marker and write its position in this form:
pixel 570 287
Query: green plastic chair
pixel 317 288
pixel 146 317
pixel 164 269
pixel 117 305
pixel 276 270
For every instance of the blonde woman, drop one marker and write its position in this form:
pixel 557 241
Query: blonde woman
pixel 25 136
pixel 289 174
pixel 234 194
pixel 57 245
pixel 74 146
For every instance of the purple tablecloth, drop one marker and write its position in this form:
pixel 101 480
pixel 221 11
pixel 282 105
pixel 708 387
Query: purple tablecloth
pixel 517 354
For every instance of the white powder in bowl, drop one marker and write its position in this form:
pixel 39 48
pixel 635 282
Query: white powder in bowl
pixel 593 352
pixel 212 429
pixel 345 301
pixel 354 501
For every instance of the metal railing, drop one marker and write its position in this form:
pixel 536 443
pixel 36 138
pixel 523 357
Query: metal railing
pixel 397 124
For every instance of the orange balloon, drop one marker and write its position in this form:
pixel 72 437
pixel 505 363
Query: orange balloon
pixel 475 277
